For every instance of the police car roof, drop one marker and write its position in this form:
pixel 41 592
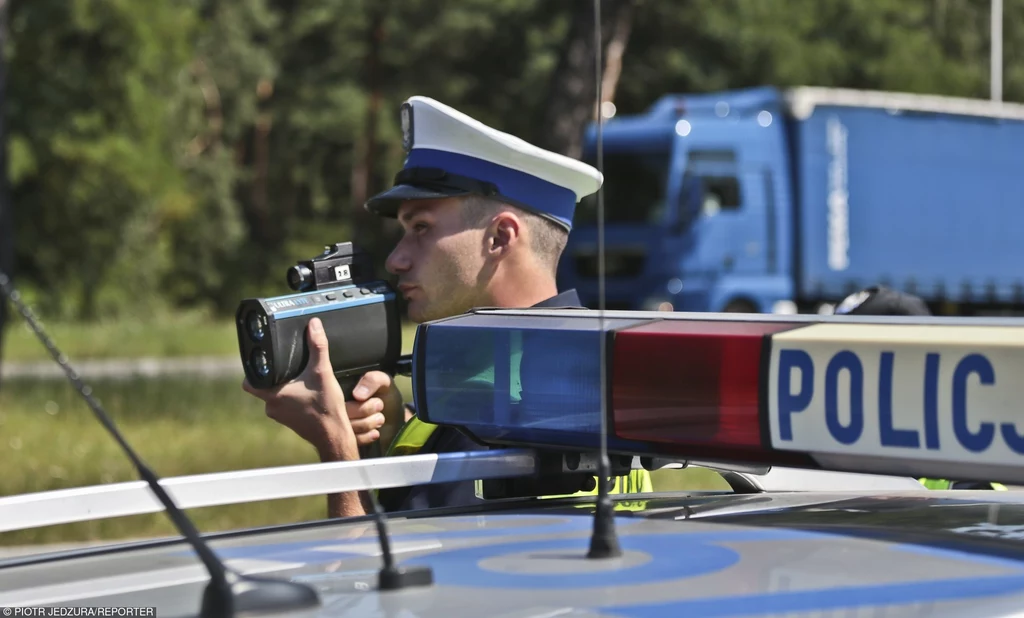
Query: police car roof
pixel 890 553
pixel 895 550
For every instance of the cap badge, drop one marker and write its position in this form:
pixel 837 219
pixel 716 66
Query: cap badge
pixel 852 301
pixel 407 130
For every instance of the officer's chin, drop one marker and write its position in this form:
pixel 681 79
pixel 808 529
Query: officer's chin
pixel 416 311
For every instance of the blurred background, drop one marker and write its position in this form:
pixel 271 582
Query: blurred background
pixel 165 158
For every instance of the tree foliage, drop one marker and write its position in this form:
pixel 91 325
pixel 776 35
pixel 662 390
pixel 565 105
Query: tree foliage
pixel 176 153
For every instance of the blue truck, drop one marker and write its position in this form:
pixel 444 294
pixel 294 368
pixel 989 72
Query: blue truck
pixel 785 201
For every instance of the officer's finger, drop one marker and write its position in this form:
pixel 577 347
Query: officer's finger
pixel 252 390
pixel 367 408
pixel 368 438
pixel 373 382
pixel 319 355
pixel 367 425
pixel 266 394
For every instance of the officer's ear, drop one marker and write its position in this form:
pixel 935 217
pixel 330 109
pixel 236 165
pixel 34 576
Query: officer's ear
pixel 504 233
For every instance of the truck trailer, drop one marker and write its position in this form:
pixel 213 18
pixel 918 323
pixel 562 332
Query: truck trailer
pixel 769 200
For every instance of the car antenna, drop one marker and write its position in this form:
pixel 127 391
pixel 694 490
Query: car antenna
pixel 228 592
pixel 604 542
pixel 391 577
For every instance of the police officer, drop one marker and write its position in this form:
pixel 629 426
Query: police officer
pixel 881 300
pixel 485 218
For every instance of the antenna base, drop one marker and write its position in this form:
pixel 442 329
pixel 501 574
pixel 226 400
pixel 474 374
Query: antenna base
pixel 396 578
pixel 604 542
pixel 241 594
pixel 603 547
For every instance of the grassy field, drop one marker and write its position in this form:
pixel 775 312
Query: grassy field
pixel 49 439
pixel 184 335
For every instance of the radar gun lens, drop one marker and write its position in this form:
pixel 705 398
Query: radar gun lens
pixel 257 326
pixel 259 362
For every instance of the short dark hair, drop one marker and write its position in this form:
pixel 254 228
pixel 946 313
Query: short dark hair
pixel 547 238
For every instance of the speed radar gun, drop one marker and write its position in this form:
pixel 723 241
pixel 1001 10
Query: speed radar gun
pixel 359 314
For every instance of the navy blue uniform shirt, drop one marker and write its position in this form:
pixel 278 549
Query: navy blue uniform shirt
pixel 450 440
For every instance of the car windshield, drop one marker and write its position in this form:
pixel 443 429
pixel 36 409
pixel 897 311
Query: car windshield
pixel 634 189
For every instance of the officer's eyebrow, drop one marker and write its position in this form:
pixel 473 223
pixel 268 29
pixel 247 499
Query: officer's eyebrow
pixel 410 213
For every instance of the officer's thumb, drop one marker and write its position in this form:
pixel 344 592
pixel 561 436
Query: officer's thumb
pixel 319 355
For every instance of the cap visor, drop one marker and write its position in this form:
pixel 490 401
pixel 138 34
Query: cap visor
pixel 386 204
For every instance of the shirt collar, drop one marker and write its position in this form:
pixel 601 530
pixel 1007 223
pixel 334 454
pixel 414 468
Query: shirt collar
pixel 564 300
pixel 569 299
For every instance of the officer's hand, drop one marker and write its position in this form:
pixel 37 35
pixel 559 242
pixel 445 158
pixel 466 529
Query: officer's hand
pixel 313 405
pixel 375 400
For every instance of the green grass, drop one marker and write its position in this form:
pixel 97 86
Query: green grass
pixel 184 335
pixel 49 439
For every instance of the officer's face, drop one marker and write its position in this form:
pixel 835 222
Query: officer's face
pixel 438 261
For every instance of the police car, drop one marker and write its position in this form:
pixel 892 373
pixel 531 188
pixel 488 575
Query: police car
pixel 820 425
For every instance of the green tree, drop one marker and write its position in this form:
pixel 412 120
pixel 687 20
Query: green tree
pixel 89 143
pixel 186 152
pixel 220 109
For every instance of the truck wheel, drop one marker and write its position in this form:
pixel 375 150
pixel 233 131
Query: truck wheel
pixel 740 306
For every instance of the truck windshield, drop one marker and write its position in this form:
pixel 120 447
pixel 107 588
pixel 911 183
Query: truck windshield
pixel 635 187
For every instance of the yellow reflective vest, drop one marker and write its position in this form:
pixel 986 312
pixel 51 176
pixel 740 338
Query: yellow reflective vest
pixel 414 434
pixel 947 484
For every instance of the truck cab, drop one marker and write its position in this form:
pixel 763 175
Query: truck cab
pixel 695 198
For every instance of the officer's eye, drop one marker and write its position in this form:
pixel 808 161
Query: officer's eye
pixel 419 227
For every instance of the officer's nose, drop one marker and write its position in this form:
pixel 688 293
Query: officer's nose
pixel 398 261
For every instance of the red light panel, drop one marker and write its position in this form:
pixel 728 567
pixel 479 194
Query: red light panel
pixel 691 384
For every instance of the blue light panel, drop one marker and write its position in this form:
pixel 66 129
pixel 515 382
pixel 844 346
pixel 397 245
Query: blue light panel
pixel 533 380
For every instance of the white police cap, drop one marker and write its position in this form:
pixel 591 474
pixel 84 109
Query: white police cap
pixel 451 154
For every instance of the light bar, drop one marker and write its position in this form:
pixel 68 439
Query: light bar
pixel 694 387
pixel 915 397
pixel 533 380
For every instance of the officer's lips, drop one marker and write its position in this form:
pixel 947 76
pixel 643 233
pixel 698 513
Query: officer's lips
pixel 405 289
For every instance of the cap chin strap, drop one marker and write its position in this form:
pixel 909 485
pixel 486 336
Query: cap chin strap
pixel 437 178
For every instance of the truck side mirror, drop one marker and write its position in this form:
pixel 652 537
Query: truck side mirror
pixel 690 203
